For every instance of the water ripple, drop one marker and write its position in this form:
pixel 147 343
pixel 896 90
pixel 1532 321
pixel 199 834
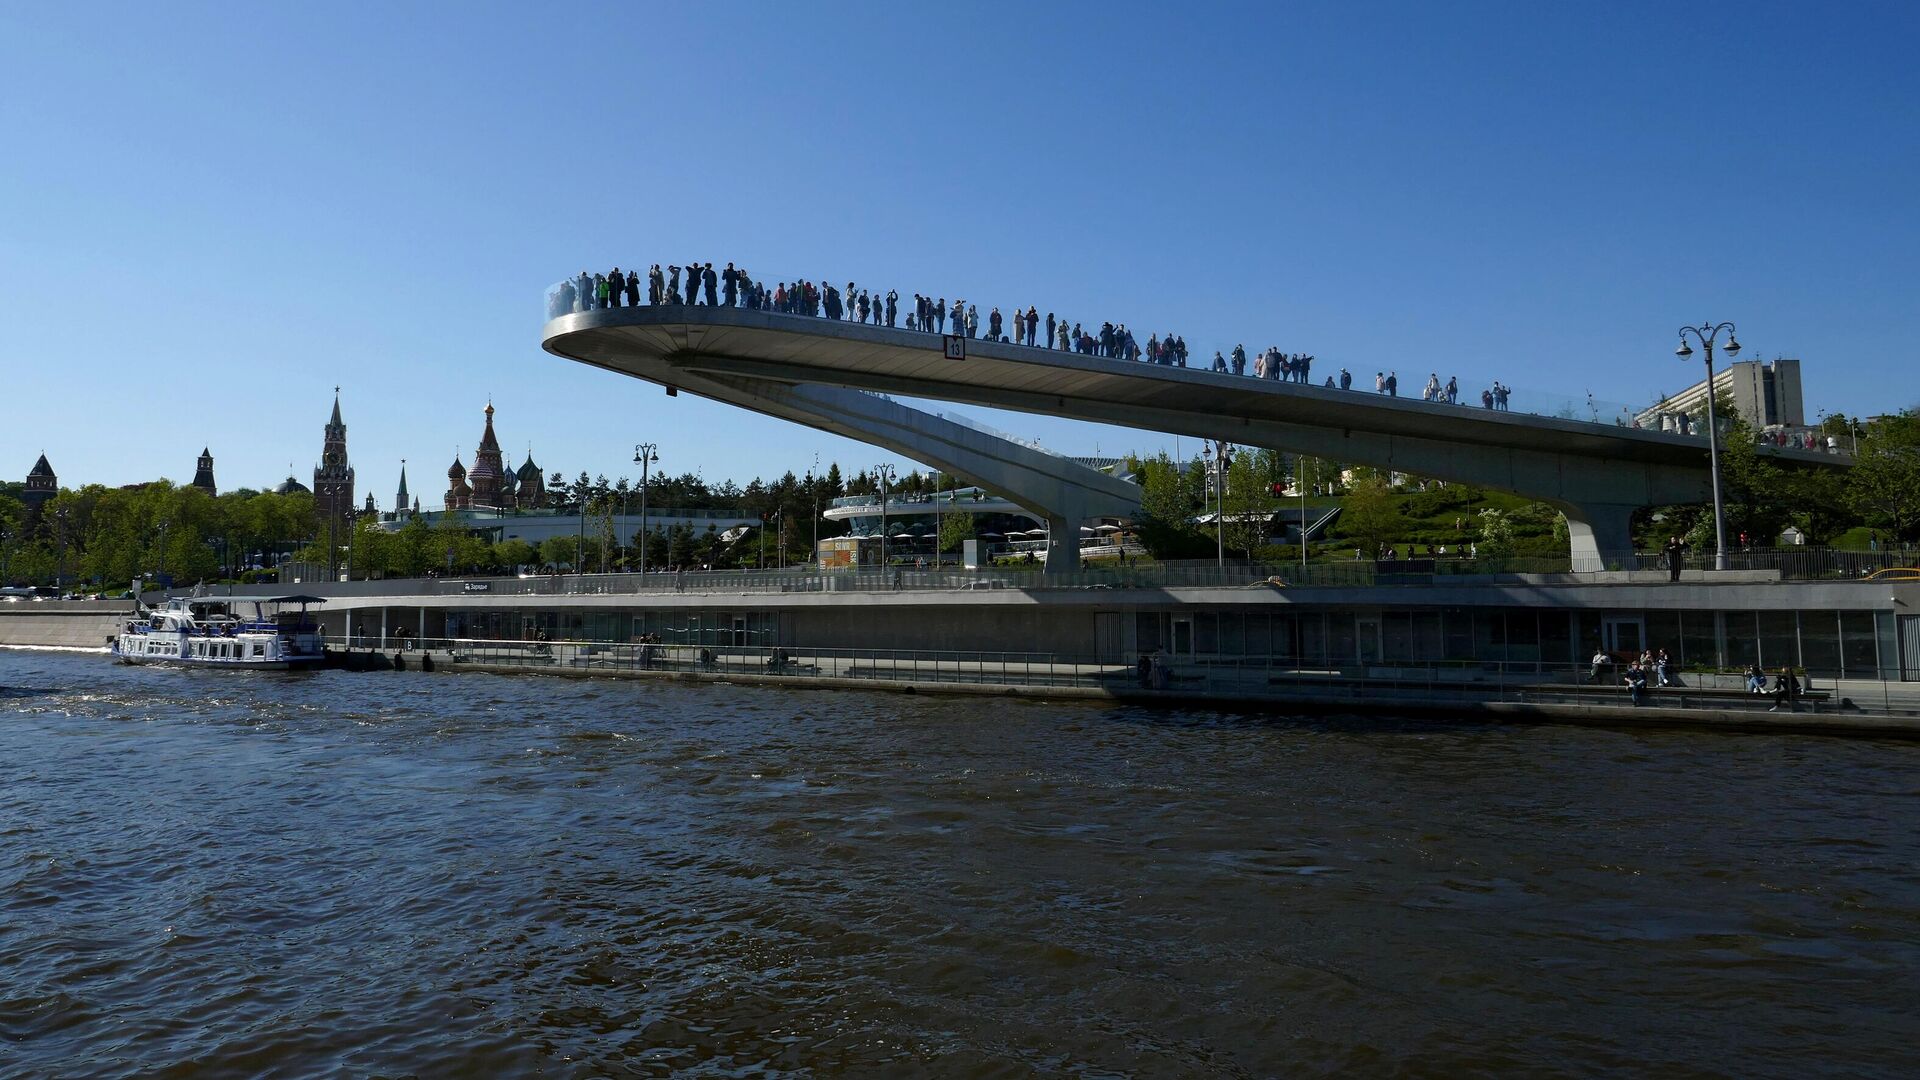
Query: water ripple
pixel 393 874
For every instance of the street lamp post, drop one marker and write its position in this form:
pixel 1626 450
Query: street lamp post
pixel 1706 334
pixel 60 579
pixel 1299 481
pixel 1222 453
pixel 813 493
pixel 884 475
pixel 644 455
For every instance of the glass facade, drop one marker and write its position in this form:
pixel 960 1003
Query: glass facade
pixel 1830 644
pixel 1826 643
pixel 1858 653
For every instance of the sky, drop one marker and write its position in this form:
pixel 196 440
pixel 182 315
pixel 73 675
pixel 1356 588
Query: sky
pixel 213 220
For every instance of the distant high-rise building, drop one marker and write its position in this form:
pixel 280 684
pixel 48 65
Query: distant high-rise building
pixel 203 473
pixel 1765 393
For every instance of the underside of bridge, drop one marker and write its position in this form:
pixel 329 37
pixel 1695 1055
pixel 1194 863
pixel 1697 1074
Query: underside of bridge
pixel 804 369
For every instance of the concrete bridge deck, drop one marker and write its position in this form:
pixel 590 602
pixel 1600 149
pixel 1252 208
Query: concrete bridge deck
pixel 1597 474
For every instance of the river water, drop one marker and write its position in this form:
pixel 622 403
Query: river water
pixel 208 874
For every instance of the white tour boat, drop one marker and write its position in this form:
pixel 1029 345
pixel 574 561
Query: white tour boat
pixel 204 632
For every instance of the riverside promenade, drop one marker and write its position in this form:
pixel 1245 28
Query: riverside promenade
pixel 1443 692
pixel 1477 638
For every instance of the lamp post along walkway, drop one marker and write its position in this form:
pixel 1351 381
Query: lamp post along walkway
pixel 645 454
pixel 1706 334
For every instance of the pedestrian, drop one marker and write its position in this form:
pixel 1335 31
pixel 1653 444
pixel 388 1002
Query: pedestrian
pixel 1239 359
pixel 940 316
pixel 893 305
pixel 1636 680
pixel 1600 660
pixel 1675 553
pixel 710 279
pixel 1379 382
pixel 1049 329
pixel 1453 390
pixel 730 278
pixel 1662 668
pixel 1393 384
pixel 1346 379
pixel 1786 691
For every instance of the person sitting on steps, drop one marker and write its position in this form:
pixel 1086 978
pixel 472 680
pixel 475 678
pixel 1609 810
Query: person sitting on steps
pixel 1786 691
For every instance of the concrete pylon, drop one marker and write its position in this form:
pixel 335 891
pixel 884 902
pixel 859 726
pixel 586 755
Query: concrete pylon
pixel 1063 546
pixel 1063 491
pixel 1599 535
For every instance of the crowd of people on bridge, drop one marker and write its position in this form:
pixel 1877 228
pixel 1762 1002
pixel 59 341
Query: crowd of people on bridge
pixel 701 284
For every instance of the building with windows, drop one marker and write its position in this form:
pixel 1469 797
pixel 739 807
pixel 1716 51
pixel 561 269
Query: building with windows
pixel 1765 393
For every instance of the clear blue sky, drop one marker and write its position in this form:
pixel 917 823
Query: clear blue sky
pixel 213 216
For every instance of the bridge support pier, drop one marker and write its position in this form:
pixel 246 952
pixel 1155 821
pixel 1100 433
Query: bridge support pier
pixel 1599 535
pixel 1063 545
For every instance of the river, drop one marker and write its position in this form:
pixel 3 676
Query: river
pixel 218 874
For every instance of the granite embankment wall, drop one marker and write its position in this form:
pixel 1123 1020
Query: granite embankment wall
pixel 72 623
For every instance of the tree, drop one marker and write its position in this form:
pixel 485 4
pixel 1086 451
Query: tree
pixel 955 530
pixel 1884 486
pixel 414 548
pixel 1167 501
pixel 369 548
pixel 514 554
pixel 680 545
pixel 1248 503
pixel 1368 514
pixel 558 551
